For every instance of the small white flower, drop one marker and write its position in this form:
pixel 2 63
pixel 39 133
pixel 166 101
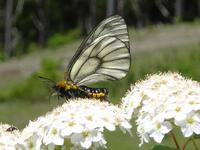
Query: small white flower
pixel 131 101
pixel 86 138
pixel 177 111
pixel 90 119
pixel 193 103
pixel 33 142
pixel 107 122
pixel 122 122
pixel 144 136
pixel 190 125
pixel 53 135
pixel 69 127
pixel 160 129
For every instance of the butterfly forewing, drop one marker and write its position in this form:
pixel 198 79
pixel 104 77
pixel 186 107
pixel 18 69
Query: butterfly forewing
pixel 104 55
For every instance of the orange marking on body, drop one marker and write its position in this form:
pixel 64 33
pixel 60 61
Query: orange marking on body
pixel 61 84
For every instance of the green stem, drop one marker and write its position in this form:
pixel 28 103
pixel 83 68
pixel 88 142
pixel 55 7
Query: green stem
pixel 186 143
pixel 175 141
pixel 194 143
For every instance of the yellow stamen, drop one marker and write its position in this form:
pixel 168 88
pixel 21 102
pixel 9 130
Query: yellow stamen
pixel 190 120
pixel 158 125
pixel 178 109
pixel 54 131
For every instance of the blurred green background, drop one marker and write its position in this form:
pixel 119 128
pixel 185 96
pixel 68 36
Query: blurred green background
pixel 164 36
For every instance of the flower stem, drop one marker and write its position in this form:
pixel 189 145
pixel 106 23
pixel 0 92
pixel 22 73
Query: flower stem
pixel 194 143
pixel 175 141
pixel 186 143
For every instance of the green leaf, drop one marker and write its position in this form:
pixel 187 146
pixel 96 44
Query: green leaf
pixel 162 147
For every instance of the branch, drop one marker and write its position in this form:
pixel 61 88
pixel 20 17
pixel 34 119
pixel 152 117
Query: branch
pixel 37 22
pixel 164 11
pixel 18 9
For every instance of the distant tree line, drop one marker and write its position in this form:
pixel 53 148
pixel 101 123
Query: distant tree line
pixel 34 21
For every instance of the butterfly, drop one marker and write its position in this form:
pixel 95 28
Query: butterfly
pixel 103 55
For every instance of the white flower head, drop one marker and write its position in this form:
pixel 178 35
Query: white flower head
pixel 163 100
pixel 81 122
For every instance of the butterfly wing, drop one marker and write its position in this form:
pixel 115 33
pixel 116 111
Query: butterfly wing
pixel 103 55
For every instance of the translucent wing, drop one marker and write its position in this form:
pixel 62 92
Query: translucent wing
pixel 103 55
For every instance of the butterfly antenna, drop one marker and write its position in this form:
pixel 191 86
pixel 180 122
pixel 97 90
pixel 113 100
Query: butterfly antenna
pixel 48 84
pixel 46 79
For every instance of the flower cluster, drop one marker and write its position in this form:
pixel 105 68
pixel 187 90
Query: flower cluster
pixel 77 124
pixel 162 101
pixel 8 137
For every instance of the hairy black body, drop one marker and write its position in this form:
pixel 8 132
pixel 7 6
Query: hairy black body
pixel 81 92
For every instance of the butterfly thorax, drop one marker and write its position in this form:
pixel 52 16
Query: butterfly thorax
pixel 69 90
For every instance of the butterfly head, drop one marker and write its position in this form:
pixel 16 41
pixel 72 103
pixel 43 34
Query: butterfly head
pixel 61 84
pixel 62 87
pixel 59 88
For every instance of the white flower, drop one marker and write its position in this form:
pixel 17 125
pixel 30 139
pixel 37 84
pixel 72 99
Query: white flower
pixel 90 119
pixel 163 100
pixel 177 111
pixel 122 122
pixel 131 101
pixel 107 122
pixel 86 138
pixel 53 135
pixel 160 129
pixel 193 103
pixel 32 143
pixel 190 125
pixel 69 127
pixel 144 136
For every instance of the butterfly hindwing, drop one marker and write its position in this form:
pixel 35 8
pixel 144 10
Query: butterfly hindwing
pixel 104 55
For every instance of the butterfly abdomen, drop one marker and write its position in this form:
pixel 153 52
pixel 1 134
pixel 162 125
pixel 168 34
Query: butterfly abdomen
pixel 64 89
pixel 96 93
